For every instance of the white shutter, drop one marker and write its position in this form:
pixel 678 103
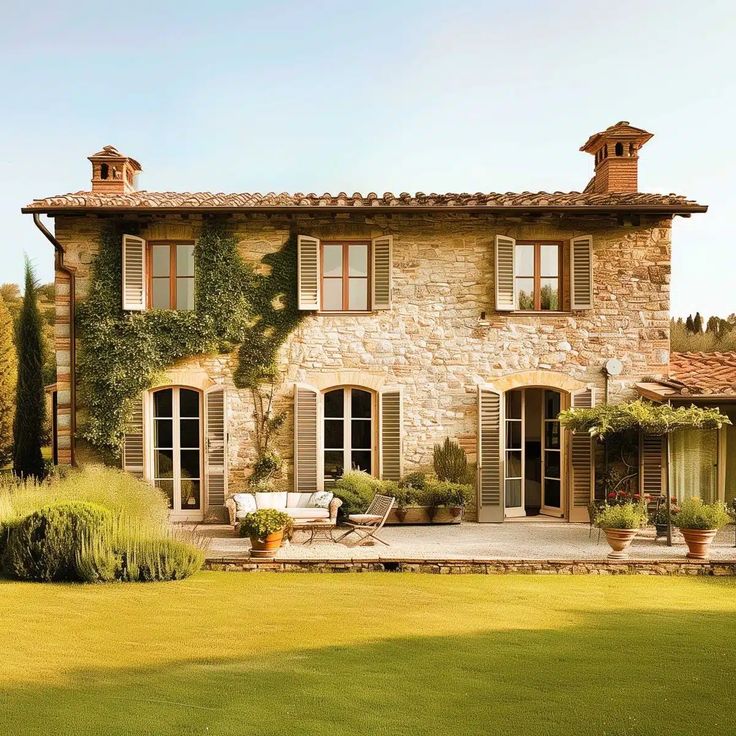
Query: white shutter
pixel 390 431
pixel 133 452
pixel 215 452
pixel 382 249
pixel 582 461
pixel 581 272
pixel 505 298
pixel 306 439
pixel 134 273
pixel 489 466
pixel 308 272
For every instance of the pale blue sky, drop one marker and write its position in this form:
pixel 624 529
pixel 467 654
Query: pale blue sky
pixel 382 96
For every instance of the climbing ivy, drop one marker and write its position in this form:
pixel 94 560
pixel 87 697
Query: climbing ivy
pixel 122 353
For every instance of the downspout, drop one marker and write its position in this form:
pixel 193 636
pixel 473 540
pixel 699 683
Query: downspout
pixel 59 266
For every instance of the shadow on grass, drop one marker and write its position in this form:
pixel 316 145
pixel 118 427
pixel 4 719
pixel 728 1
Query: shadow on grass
pixel 667 672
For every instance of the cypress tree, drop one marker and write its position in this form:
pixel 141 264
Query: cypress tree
pixel 698 324
pixel 30 400
pixel 689 323
pixel 8 375
pixel 713 325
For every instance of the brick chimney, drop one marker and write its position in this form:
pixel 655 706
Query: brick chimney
pixel 113 173
pixel 616 152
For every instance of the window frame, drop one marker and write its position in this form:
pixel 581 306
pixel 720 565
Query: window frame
pixel 537 277
pixel 345 244
pixel 173 278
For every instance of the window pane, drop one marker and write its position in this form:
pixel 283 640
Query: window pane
pixel 334 434
pixel 524 260
pixel 163 433
pixel 162 403
pixel 161 298
pixel 160 260
pixel 552 464
pixel 358 294
pixel 167 486
pixel 552 435
pixel 185 260
pixel 163 464
pixel 189 495
pixel 513 493
pixel 513 435
pixel 513 404
pixel 360 404
pixel 525 293
pixel 552 493
pixel 333 464
pixel 551 404
pixel 185 293
pixel 189 463
pixel 334 403
pixel 188 403
pixel 332 294
pixel 360 434
pixel 358 260
pixel 189 433
pixel 550 260
pixel 332 260
pixel 513 464
pixel 361 460
pixel 550 294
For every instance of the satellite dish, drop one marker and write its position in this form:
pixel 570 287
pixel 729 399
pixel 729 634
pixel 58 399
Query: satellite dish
pixel 613 367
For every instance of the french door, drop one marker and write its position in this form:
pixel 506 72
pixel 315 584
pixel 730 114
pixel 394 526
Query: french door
pixel 177 449
pixel 551 455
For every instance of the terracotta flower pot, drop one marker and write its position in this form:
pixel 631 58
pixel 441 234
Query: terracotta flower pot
pixel 268 546
pixel 401 514
pixel 455 511
pixel 698 542
pixel 619 539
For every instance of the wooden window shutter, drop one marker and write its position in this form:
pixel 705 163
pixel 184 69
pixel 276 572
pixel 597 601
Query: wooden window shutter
pixel 582 462
pixel 134 273
pixel 489 466
pixel 133 452
pixel 651 465
pixel 382 250
pixel 215 452
pixel 390 434
pixel 308 272
pixel 505 298
pixel 581 272
pixel 306 439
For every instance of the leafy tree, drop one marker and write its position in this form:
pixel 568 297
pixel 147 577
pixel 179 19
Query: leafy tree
pixel 713 325
pixel 689 326
pixel 8 376
pixel 697 324
pixel 30 399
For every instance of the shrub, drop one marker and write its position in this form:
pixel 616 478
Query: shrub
pixel 417 479
pixel 450 462
pixel 43 545
pixel 8 375
pixel 444 493
pixel 622 516
pixel 694 514
pixel 261 523
pixel 356 490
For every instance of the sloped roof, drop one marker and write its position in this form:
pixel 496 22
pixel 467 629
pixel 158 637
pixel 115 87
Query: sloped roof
pixel 182 201
pixel 696 375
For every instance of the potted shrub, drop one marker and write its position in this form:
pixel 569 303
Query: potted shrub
pixel 661 517
pixel 403 497
pixel 620 524
pixel 265 528
pixel 699 522
pixel 459 497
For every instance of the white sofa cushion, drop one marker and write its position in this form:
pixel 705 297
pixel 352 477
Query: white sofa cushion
pixel 321 499
pixel 299 500
pixel 244 504
pixel 274 500
pixel 297 513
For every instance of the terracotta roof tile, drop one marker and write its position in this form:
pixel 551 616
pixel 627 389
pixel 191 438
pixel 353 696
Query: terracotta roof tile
pixel 143 200
pixel 700 374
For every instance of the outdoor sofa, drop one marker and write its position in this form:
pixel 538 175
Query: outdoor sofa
pixel 302 507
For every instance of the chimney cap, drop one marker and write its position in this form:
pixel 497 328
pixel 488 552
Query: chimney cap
pixel 110 153
pixel 622 131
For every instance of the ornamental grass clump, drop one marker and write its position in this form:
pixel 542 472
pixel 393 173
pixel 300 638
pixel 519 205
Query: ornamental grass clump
pixel 622 516
pixel 694 513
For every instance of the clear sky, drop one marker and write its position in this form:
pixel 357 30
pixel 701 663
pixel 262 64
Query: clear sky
pixel 380 96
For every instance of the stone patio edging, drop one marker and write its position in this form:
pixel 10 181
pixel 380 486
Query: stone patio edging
pixel 482 567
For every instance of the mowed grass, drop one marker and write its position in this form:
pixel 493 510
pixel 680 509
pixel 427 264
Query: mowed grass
pixel 228 653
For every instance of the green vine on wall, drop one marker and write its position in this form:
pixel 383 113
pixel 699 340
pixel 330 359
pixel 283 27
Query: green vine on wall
pixel 236 306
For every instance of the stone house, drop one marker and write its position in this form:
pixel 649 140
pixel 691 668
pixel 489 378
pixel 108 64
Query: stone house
pixel 471 316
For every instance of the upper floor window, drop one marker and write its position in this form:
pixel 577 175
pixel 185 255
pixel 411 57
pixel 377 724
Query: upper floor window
pixel 171 276
pixel 537 276
pixel 345 277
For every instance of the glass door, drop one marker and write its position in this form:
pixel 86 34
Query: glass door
pixel 514 454
pixel 551 455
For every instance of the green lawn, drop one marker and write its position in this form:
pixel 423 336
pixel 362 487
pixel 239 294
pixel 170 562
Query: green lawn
pixel 229 653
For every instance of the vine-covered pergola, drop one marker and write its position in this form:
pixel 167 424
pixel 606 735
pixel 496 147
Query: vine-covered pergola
pixel 601 422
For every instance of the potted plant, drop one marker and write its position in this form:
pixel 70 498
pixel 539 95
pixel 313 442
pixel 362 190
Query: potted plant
pixel 661 517
pixel 265 528
pixel 620 524
pixel 403 497
pixel 699 522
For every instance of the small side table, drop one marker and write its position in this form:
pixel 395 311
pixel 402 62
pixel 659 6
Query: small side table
pixel 319 531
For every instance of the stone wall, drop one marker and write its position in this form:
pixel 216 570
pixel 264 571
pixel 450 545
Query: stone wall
pixel 432 343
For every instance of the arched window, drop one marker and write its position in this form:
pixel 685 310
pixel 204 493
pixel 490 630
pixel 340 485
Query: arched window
pixel 104 171
pixel 349 416
pixel 177 447
pixel 619 149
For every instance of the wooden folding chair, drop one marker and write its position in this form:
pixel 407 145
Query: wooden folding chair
pixel 367 525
